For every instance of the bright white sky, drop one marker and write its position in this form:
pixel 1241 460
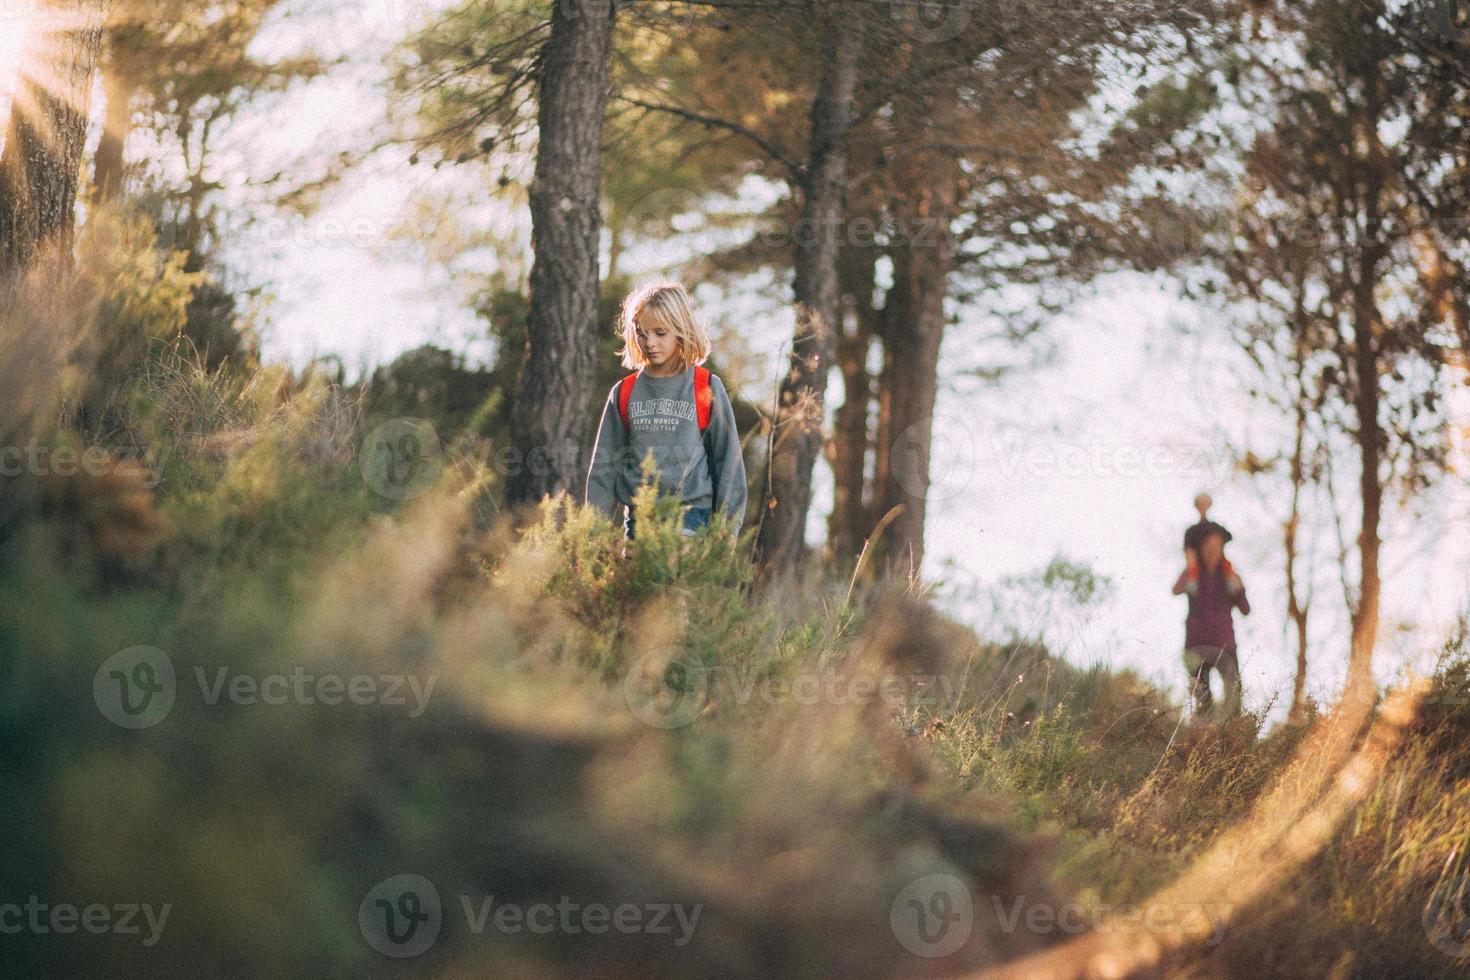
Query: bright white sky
pixel 12 35
pixel 1095 457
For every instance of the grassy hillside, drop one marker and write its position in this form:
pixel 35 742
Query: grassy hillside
pixel 254 678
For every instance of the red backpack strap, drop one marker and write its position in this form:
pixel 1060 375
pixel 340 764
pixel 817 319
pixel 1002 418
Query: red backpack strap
pixel 625 394
pixel 703 396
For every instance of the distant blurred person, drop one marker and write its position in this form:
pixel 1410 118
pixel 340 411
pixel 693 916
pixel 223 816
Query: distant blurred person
pixel 1215 591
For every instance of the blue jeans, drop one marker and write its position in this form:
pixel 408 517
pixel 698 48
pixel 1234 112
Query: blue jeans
pixel 694 519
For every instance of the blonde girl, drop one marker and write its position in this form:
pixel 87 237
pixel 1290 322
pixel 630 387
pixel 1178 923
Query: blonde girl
pixel 672 405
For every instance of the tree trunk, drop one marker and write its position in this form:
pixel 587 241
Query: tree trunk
pixel 109 163
pixel 895 304
pixel 916 321
pixel 47 132
pixel 1298 712
pixel 550 419
pixel 849 522
pixel 781 543
pixel 1296 610
pixel 1369 437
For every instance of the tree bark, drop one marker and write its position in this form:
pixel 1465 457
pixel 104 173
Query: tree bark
pixel 1370 439
pixel 924 199
pixel 46 134
pixel 1296 610
pixel 109 163
pixel 550 419
pixel 781 542
pixel 895 304
pixel 1372 176
pixel 914 332
pixel 849 522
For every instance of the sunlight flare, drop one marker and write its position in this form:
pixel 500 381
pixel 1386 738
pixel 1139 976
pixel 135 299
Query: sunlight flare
pixel 13 20
pixel 41 64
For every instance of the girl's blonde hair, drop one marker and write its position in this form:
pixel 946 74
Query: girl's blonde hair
pixel 667 303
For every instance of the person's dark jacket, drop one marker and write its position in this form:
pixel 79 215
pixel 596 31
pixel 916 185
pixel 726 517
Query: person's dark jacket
pixel 1213 596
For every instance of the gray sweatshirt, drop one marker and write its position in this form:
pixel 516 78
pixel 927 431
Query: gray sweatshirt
pixel 704 470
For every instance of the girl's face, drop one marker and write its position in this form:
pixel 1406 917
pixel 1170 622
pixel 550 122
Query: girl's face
pixel 658 344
